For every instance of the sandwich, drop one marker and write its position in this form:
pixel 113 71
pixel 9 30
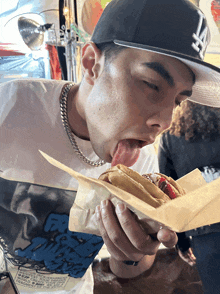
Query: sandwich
pixel 154 189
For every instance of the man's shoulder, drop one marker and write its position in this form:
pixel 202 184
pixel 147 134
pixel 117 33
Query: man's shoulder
pixel 21 89
pixel 31 83
pixel 17 82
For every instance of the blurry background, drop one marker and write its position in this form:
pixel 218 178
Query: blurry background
pixel 43 38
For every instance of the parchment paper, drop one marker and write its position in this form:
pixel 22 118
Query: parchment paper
pixel 199 207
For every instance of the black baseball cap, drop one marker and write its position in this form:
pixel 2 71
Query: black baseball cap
pixel 175 28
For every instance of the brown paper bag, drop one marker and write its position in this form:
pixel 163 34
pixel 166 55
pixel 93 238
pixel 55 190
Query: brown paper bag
pixel 199 207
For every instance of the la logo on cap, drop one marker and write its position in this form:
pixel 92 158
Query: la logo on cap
pixel 200 37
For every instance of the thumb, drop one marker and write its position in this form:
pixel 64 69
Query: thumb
pixel 167 237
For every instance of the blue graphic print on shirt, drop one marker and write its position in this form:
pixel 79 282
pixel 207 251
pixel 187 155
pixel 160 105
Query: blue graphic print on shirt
pixel 68 252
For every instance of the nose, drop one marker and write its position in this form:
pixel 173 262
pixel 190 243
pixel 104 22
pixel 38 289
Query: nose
pixel 160 120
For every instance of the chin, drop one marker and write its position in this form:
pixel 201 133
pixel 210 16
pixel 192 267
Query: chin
pixel 102 154
pixel 107 158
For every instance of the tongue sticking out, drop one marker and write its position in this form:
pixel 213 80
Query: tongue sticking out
pixel 126 152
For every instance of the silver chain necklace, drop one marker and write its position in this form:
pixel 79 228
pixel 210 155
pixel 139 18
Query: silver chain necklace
pixel 64 117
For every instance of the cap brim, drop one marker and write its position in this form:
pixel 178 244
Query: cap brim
pixel 206 89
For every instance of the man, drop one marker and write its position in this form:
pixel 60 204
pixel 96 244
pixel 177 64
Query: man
pixel 144 59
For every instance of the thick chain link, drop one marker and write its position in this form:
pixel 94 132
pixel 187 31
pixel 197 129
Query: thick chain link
pixel 64 117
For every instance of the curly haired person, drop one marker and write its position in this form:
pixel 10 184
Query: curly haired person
pixel 193 141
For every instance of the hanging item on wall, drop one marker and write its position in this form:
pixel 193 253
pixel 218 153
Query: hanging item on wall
pixel 215 9
pixel 55 68
pixel 89 12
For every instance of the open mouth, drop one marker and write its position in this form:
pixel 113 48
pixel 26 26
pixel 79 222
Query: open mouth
pixel 127 152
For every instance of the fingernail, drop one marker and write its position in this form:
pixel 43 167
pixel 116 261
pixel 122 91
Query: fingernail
pixel 120 208
pixel 104 203
pixel 166 237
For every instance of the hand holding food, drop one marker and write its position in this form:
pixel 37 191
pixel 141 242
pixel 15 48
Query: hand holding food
pixel 126 239
pixel 124 235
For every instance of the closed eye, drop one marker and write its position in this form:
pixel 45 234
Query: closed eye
pixel 152 86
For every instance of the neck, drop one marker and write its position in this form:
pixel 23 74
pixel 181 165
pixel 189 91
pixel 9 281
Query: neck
pixel 76 118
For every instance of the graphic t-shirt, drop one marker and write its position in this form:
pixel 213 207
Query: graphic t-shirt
pixel 36 197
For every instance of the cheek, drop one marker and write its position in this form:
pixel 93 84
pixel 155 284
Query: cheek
pixel 102 115
pixel 115 106
pixel 113 120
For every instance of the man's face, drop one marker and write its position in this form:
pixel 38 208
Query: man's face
pixel 132 101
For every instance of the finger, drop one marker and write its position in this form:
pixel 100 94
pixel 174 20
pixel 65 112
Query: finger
pixel 112 249
pixel 135 233
pixel 167 237
pixel 116 233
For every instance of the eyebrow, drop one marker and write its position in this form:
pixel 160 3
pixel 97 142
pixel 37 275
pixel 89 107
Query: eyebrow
pixel 159 68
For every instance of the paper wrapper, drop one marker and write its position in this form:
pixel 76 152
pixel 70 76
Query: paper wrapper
pixel 199 207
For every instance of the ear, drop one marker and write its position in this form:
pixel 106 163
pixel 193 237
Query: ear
pixel 92 62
